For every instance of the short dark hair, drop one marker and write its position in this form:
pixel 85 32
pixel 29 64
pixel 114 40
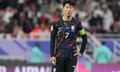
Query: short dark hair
pixel 68 2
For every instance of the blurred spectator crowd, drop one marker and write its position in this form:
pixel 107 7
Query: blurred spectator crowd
pixel 33 16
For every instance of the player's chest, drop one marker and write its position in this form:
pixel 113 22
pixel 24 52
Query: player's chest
pixel 66 27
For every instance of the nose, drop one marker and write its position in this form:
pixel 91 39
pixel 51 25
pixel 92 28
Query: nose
pixel 69 9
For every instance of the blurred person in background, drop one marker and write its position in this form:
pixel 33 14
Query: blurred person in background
pixel 107 17
pixel 114 6
pixel 100 28
pixel 84 20
pixel 90 5
pixel 2 23
pixel 18 32
pixel 96 17
pixel 102 54
pixel 45 7
pixel 60 2
pixel 8 14
pixel 80 4
pixel 37 54
pixel 10 26
pixel 24 23
pixel 36 28
pixel 3 4
pixel 115 28
pixel 44 26
pixel 53 7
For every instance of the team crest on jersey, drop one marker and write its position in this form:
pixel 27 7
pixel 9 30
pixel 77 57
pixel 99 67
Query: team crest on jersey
pixel 51 28
pixel 73 28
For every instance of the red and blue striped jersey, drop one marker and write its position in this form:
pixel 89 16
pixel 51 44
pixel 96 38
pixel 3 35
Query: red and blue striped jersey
pixel 63 37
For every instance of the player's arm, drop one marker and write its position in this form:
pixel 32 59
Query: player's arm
pixel 82 33
pixel 52 40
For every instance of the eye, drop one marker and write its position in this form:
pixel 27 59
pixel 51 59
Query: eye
pixel 71 7
pixel 67 7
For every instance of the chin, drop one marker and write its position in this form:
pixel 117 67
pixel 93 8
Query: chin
pixel 69 15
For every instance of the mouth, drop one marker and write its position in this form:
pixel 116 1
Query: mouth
pixel 69 13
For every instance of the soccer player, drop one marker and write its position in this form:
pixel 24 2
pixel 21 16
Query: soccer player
pixel 63 40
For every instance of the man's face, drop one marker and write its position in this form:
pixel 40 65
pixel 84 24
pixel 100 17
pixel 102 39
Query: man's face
pixel 68 9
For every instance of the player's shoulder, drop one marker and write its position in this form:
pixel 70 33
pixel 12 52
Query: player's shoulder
pixel 77 22
pixel 55 24
pixel 58 22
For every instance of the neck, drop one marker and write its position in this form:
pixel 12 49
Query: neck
pixel 67 18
